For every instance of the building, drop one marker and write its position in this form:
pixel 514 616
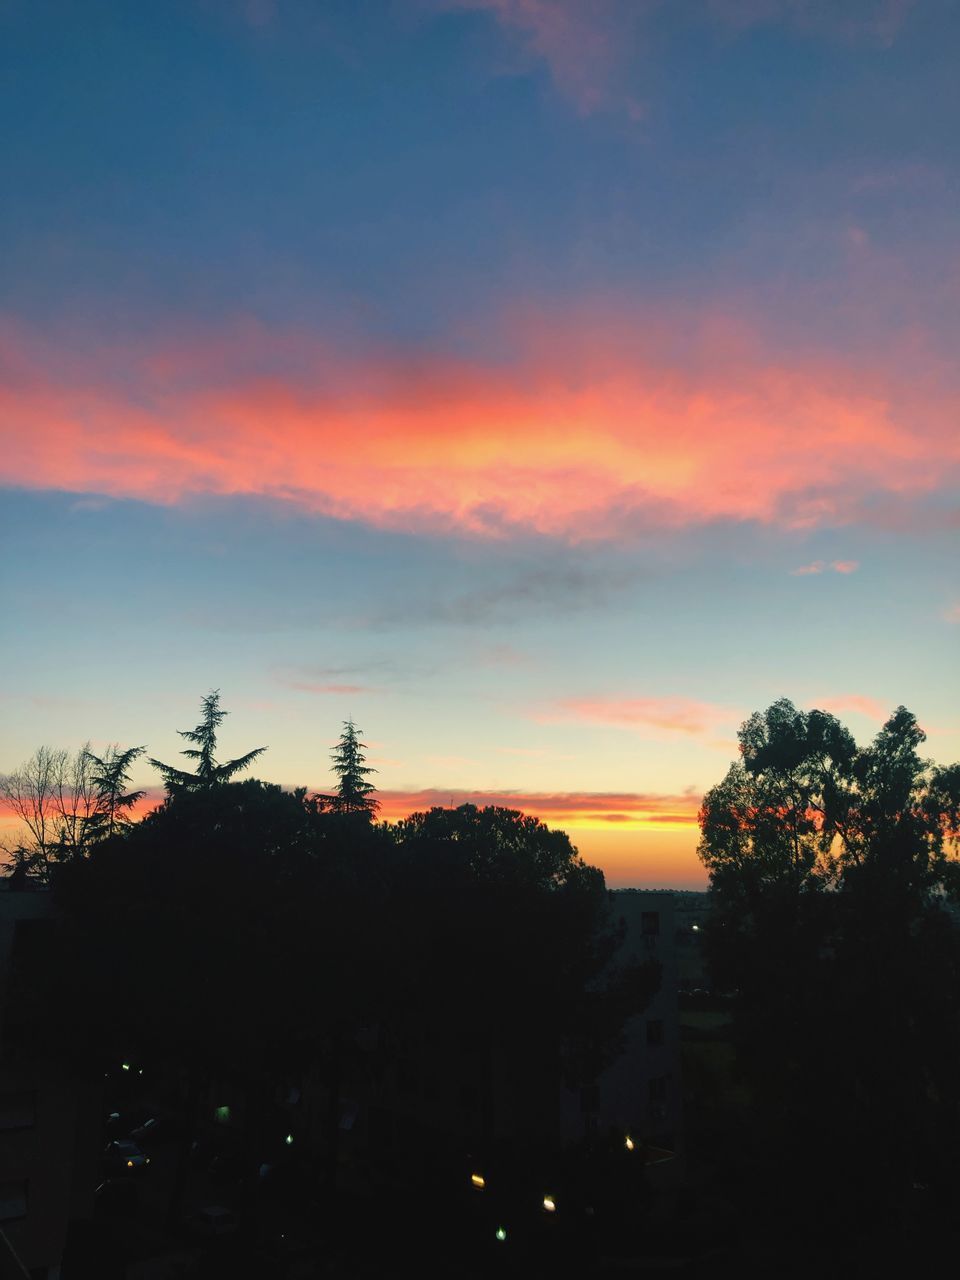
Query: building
pixel 639 1094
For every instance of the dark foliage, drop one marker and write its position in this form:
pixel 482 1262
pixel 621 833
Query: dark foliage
pixel 354 793
pixel 209 772
pixel 834 883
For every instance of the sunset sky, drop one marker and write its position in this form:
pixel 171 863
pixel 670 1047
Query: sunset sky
pixel 545 384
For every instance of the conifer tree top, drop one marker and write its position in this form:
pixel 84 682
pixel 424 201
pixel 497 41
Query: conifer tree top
pixel 354 792
pixel 209 771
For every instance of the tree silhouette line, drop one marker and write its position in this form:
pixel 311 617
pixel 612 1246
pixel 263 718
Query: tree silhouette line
pixel 835 931
pixel 265 934
pixel 244 935
pixel 68 803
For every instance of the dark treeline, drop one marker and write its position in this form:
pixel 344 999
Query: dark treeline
pixel 243 936
pixel 834 928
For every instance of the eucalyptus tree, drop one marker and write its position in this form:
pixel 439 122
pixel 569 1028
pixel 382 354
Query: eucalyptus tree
pixel 835 881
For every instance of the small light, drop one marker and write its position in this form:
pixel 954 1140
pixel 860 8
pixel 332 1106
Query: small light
pixel 289 1139
pixel 129 1164
pixel 125 1066
pixel 140 1071
pixel 696 928
pixel 501 1234
pixel 629 1143
pixel 148 1159
pixel 549 1204
pixel 478 1180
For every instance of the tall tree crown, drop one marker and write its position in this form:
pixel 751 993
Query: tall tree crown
pixel 354 792
pixel 209 772
pixel 110 778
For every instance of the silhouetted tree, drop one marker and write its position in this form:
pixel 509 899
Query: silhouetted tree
pixel 354 793
pixel 501 937
pixel 56 799
pixel 110 777
pixel 832 872
pixel 209 772
pixel 223 969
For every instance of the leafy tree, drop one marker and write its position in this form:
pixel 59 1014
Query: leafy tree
pixel 209 772
pixel 832 870
pixel 354 792
pixel 502 941
pixel 901 818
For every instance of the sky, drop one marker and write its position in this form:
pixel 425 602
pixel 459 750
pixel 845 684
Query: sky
pixel 544 384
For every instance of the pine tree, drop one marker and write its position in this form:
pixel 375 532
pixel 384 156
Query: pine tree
pixel 110 778
pixel 209 772
pixel 354 792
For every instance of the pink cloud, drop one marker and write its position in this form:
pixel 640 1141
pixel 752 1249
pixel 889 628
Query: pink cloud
pixel 953 613
pixel 570 808
pixel 592 47
pixel 821 566
pixel 660 714
pixel 604 422
pixel 585 46
pixel 151 798
pixel 854 702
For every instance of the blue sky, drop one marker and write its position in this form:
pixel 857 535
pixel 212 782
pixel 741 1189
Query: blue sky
pixel 547 385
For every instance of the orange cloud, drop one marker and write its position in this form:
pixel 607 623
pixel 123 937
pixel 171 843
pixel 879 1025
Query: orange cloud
pixel 600 424
pixel 574 810
pixel 667 715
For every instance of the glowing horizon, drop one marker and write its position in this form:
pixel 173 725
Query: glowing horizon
pixel 547 386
